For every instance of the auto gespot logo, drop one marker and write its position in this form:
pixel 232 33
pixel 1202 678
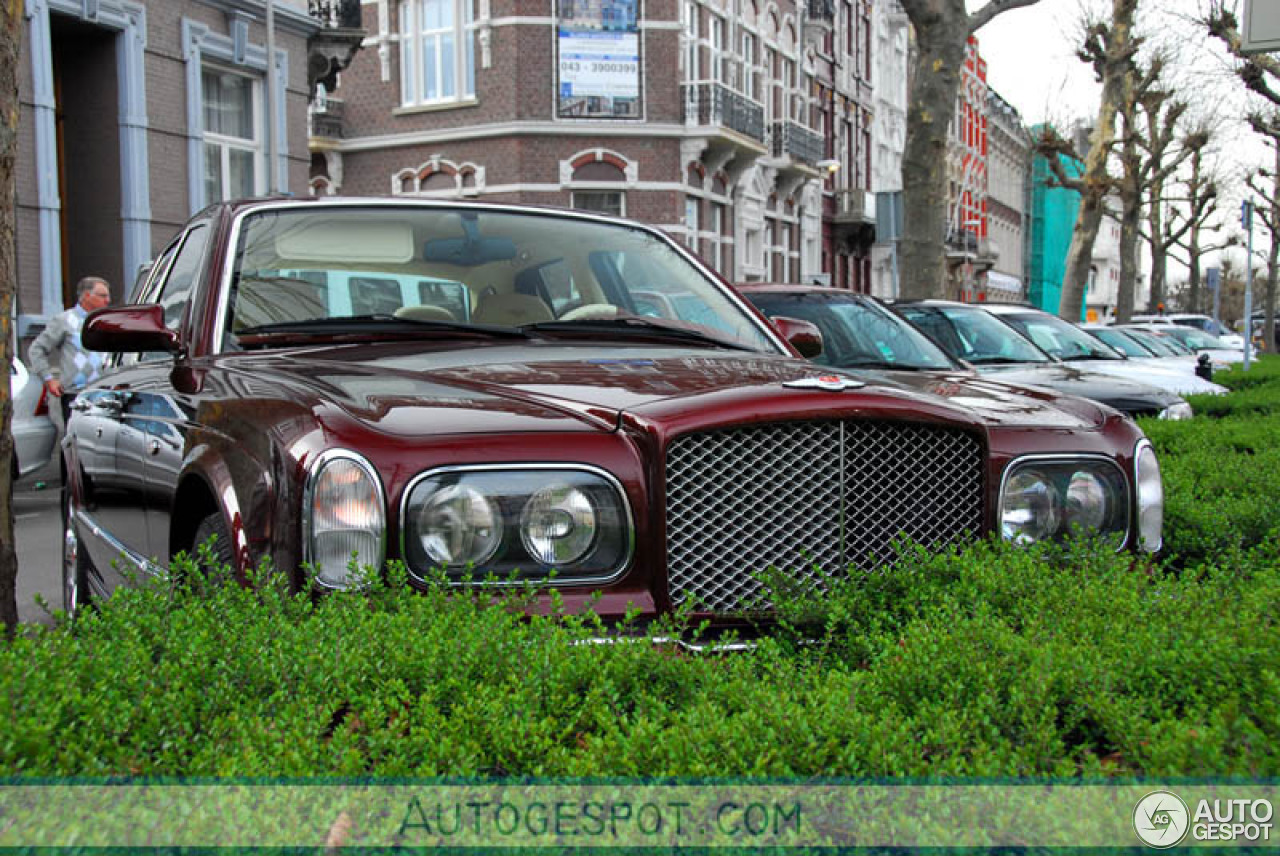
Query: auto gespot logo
pixel 1161 819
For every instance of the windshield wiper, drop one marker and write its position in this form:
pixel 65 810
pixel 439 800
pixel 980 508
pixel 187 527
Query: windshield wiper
pixel 634 325
pixel 380 323
pixel 998 361
pixel 872 363
pixel 1075 358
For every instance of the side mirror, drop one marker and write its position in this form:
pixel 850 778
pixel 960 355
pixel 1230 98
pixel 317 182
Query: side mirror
pixel 128 329
pixel 804 336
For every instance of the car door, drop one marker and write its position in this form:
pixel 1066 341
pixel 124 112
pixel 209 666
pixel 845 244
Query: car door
pixel 162 409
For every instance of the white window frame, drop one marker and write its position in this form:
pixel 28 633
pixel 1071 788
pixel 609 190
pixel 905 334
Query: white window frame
pixel 720 58
pixel 413 35
pixel 225 144
pixel 692 222
pixel 575 199
pixel 749 45
pixel 693 47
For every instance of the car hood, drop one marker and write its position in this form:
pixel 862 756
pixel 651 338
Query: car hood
pixel 1180 381
pixel 558 387
pixel 1121 393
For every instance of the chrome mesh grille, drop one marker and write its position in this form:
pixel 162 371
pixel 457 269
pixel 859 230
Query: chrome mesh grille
pixel 808 499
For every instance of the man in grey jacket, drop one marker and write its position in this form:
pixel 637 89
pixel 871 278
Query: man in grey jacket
pixel 57 355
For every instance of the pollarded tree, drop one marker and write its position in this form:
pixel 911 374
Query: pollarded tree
pixel 1266 185
pixel 942 29
pixel 1110 47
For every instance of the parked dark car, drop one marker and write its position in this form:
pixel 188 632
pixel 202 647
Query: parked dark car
pixel 970 333
pixel 559 435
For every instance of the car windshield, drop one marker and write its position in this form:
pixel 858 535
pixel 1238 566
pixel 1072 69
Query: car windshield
pixel 329 270
pixel 1161 346
pixel 1195 339
pixel 1062 339
pixel 972 334
pixel 856 332
pixel 1121 341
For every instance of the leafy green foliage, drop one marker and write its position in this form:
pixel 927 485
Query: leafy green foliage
pixel 1063 660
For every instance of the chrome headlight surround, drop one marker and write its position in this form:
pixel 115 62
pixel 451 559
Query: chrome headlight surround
pixel 1150 495
pixel 341 483
pixel 563 523
pixel 1067 491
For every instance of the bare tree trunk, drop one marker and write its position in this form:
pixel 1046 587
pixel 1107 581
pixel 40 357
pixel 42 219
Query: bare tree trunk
pixel 936 77
pixel 1273 259
pixel 942 30
pixel 1114 56
pixel 1159 250
pixel 1129 228
pixel 11 15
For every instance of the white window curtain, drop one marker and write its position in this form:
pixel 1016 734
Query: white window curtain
pixel 437 51
pixel 233 156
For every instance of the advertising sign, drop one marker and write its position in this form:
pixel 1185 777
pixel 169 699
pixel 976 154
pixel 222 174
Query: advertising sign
pixel 598 47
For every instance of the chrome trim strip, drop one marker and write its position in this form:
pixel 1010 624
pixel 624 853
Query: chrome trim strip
pixel 308 497
pixel 623 566
pixel 1137 512
pixel 133 558
pixel 1054 458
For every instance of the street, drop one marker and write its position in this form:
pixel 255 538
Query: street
pixel 38 531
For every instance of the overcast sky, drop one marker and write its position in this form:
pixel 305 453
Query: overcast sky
pixel 1031 62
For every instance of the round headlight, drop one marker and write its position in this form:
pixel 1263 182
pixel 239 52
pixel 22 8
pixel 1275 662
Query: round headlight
pixel 347 519
pixel 1031 508
pixel 458 525
pixel 558 525
pixel 1150 498
pixel 1086 504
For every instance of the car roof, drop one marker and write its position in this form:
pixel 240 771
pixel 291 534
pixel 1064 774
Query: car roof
pixel 791 288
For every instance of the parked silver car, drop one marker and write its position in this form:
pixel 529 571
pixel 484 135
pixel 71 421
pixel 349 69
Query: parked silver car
pixel 33 433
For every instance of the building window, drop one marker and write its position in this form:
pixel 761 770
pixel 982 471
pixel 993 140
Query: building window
pixel 692 68
pixel 691 222
pixel 232 135
pixel 599 201
pixel 437 51
pixel 748 65
pixel 720 57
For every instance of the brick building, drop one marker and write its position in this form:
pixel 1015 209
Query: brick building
pixel 1008 200
pixel 969 249
pixel 740 126
pixel 137 113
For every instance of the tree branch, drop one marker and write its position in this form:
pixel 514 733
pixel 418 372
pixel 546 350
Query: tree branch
pixel 982 16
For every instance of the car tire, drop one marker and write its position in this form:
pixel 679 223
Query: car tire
pixel 223 555
pixel 75 565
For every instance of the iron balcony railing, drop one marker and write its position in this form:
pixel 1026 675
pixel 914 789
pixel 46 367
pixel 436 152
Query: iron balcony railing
pixel 336 14
pixel 795 140
pixel 711 103
pixel 822 10
pixel 328 122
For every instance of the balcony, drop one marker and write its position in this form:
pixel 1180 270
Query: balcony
pixel 714 105
pixel 797 142
pixel 326 121
pixel 855 207
pixel 331 49
pixel 336 14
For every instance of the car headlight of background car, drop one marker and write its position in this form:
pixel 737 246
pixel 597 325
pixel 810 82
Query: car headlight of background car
pixel 1181 410
pixel 344 517
pixel 526 523
pixel 1046 498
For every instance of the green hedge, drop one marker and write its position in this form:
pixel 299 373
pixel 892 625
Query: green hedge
pixel 1222 469
pixel 989 661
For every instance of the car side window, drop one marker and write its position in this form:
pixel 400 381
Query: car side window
pixel 175 294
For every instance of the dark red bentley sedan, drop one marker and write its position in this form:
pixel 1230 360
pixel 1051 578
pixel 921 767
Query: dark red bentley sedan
pixel 519 394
